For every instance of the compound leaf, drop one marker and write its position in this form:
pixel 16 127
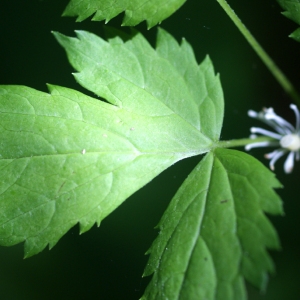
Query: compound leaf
pixel 67 158
pixel 214 232
pixel 136 11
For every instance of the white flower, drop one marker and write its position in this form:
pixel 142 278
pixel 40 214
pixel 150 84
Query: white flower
pixel 287 137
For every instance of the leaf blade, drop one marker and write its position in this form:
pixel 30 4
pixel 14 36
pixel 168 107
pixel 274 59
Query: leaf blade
pixel 136 69
pixel 69 158
pixel 292 8
pixel 44 137
pixel 136 11
pixel 200 79
pixel 206 222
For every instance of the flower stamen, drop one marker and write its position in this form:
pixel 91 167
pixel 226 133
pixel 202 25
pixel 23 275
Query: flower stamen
pixel 287 137
pixel 297 114
pixel 283 124
pixel 289 163
pixel 274 156
pixel 265 132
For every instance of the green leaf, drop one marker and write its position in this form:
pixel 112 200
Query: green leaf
pixel 136 11
pixel 134 76
pixel 214 232
pixel 296 35
pixel 68 158
pixel 292 11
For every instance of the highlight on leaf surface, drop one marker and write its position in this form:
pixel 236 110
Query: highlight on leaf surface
pixel 136 11
pixel 67 158
pixel 292 11
pixel 214 234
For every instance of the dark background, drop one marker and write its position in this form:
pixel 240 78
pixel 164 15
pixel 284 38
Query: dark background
pixel 107 262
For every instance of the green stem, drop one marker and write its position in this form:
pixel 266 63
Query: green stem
pixel 242 142
pixel 277 73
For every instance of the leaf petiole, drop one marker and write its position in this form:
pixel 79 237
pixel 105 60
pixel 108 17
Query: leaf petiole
pixel 270 64
pixel 241 142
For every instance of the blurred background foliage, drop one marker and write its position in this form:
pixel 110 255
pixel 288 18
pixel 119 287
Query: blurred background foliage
pixel 107 263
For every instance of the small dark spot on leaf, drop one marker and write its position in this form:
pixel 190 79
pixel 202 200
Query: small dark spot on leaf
pixel 61 186
pixel 223 201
